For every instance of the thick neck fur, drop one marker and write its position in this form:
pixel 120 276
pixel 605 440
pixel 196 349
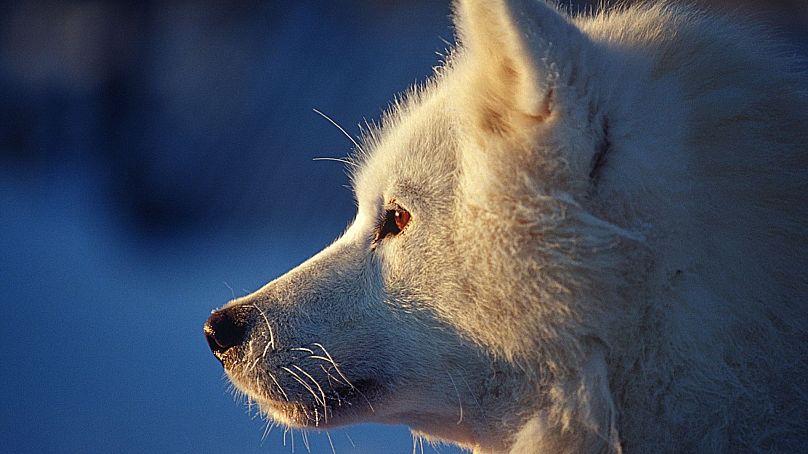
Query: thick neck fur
pixel 728 277
pixel 691 116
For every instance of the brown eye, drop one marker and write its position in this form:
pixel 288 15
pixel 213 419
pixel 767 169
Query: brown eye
pixel 395 219
pixel 402 217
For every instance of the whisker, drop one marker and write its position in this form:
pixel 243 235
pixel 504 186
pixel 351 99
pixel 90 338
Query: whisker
pixel 331 442
pixel 254 363
pixel 331 377
pixel 275 380
pixel 350 440
pixel 232 293
pixel 305 385
pixel 322 394
pixel 310 390
pixel 344 161
pixel 319 357
pixel 477 402
pixel 331 360
pixel 336 368
pixel 459 402
pixel 330 120
pixel 269 327
pixel 249 348
pixel 267 431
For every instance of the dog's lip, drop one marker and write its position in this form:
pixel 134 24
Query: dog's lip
pixel 358 393
pixel 365 389
pixel 346 405
pixel 349 403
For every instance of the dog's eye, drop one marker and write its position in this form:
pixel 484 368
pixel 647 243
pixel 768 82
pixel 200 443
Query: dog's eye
pixel 402 217
pixel 395 219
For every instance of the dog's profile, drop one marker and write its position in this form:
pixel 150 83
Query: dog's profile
pixel 581 235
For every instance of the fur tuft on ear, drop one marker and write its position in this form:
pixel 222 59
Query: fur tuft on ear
pixel 517 52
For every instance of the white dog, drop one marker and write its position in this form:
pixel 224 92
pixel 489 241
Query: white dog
pixel 582 235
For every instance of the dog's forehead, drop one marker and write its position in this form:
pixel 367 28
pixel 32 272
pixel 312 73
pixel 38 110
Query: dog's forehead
pixel 416 149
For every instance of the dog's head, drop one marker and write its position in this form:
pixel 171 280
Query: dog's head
pixel 460 292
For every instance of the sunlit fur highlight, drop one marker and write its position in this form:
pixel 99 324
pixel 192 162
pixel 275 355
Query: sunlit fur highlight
pixel 529 308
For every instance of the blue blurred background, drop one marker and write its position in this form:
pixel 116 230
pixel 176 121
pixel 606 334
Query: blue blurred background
pixel 156 161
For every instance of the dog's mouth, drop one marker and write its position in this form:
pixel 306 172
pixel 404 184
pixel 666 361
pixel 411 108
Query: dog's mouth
pixel 303 400
pixel 335 407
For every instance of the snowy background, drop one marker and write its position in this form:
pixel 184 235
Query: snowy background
pixel 155 161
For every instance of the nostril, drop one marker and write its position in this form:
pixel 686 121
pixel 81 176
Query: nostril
pixel 225 329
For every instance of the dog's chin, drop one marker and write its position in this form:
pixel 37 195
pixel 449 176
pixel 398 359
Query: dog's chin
pixel 343 405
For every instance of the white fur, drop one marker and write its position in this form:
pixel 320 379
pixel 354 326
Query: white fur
pixel 606 251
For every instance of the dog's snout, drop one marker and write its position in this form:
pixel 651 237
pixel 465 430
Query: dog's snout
pixel 227 328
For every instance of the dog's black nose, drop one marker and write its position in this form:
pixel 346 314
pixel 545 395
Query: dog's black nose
pixel 227 328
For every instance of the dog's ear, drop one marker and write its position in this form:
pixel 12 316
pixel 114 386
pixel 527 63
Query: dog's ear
pixel 518 54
